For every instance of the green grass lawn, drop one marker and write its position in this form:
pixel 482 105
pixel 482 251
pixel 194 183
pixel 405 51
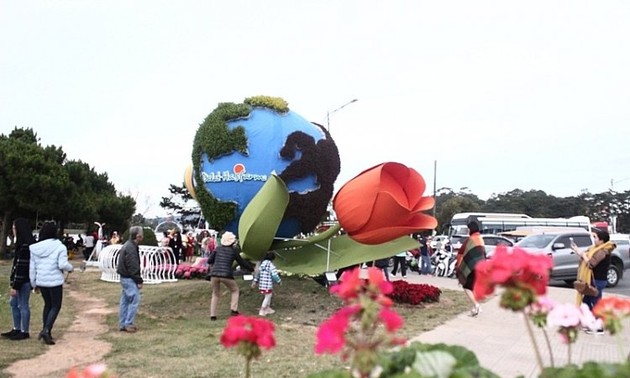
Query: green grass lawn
pixel 177 338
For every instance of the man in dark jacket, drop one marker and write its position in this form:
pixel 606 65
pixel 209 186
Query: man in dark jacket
pixel 130 280
pixel 221 273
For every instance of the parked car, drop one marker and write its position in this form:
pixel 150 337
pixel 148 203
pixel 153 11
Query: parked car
pixel 492 241
pixel 557 244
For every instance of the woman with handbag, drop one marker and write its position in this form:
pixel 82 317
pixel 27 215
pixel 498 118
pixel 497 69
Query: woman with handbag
pixel 593 268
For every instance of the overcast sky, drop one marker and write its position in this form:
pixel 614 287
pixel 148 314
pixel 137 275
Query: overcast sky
pixel 502 94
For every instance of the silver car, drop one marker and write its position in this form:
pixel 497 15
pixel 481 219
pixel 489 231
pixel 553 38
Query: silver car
pixel 565 261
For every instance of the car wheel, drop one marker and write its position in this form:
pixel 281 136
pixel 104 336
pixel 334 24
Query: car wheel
pixel 613 275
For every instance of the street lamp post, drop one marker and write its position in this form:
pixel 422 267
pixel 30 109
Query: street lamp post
pixel 328 113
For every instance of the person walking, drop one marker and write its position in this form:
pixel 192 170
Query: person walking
pixel 49 261
pixel 471 252
pixel 265 278
pixel 176 245
pixel 593 268
pixel 130 280
pixel 221 273
pixel 20 292
pixel 425 256
pixel 400 260
pixel 88 246
pixel 383 265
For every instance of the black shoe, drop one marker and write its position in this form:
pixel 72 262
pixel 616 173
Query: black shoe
pixel 213 318
pixel 234 313
pixel 595 332
pixel 45 335
pixel 20 336
pixel 12 332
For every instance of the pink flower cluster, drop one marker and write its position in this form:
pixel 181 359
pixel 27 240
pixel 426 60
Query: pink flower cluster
pixel 249 330
pixel 523 274
pixel 569 319
pixel 366 323
pixel 187 271
pixel 91 371
pixel 414 294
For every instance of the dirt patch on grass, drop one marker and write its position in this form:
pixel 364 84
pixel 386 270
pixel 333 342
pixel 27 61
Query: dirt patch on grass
pixel 77 347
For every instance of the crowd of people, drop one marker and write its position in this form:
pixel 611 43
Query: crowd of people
pixel 41 266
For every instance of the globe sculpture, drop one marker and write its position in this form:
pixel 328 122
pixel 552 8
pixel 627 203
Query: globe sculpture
pixel 238 147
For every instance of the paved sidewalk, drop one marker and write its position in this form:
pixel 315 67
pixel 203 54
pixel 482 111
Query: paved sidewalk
pixel 500 340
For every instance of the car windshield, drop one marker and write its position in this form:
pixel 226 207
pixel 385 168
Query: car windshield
pixel 536 241
pixel 457 239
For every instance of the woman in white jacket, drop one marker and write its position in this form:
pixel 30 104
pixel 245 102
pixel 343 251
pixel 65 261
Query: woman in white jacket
pixel 49 261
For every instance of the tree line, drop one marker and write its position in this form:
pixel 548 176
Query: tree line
pixel 537 204
pixel 39 182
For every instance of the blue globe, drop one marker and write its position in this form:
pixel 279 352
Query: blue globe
pixel 284 143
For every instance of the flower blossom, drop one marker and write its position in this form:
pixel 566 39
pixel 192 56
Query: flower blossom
pixel 539 310
pixel 523 274
pixel 252 330
pixel 612 310
pixel 384 203
pixel 331 333
pixel 91 371
pixel 391 319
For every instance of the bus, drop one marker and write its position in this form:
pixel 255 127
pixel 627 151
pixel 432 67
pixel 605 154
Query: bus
pixel 494 223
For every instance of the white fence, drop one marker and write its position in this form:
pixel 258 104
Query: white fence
pixel 157 264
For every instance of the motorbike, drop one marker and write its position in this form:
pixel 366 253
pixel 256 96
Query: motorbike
pixel 444 263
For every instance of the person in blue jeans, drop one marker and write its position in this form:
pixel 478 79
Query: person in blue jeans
pixel 130 280
pixel 425 256
pixel 593 268
pixel 20 283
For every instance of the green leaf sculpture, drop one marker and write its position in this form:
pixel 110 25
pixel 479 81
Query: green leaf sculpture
pixel 336 253
pixel 262 216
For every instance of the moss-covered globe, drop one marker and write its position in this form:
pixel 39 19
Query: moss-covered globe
pixel 238 146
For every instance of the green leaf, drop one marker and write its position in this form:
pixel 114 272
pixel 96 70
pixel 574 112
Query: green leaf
pixel 435 363
pixel 285 244
pixel 262 216
pixel 342 252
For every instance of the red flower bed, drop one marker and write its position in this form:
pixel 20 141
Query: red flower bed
pixel 405 292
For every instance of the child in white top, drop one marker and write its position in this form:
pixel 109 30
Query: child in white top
pixel 266 276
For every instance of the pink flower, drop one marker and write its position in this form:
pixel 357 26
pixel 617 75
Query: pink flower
pixel 513 269
pixel 391 319
pixel 253 330
pixel 349 286
pixel 94 370
pixel 564 315
pixel 376 280
pixel 91 371
pixel 331 333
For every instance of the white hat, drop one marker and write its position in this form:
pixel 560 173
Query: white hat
pixel 228 238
